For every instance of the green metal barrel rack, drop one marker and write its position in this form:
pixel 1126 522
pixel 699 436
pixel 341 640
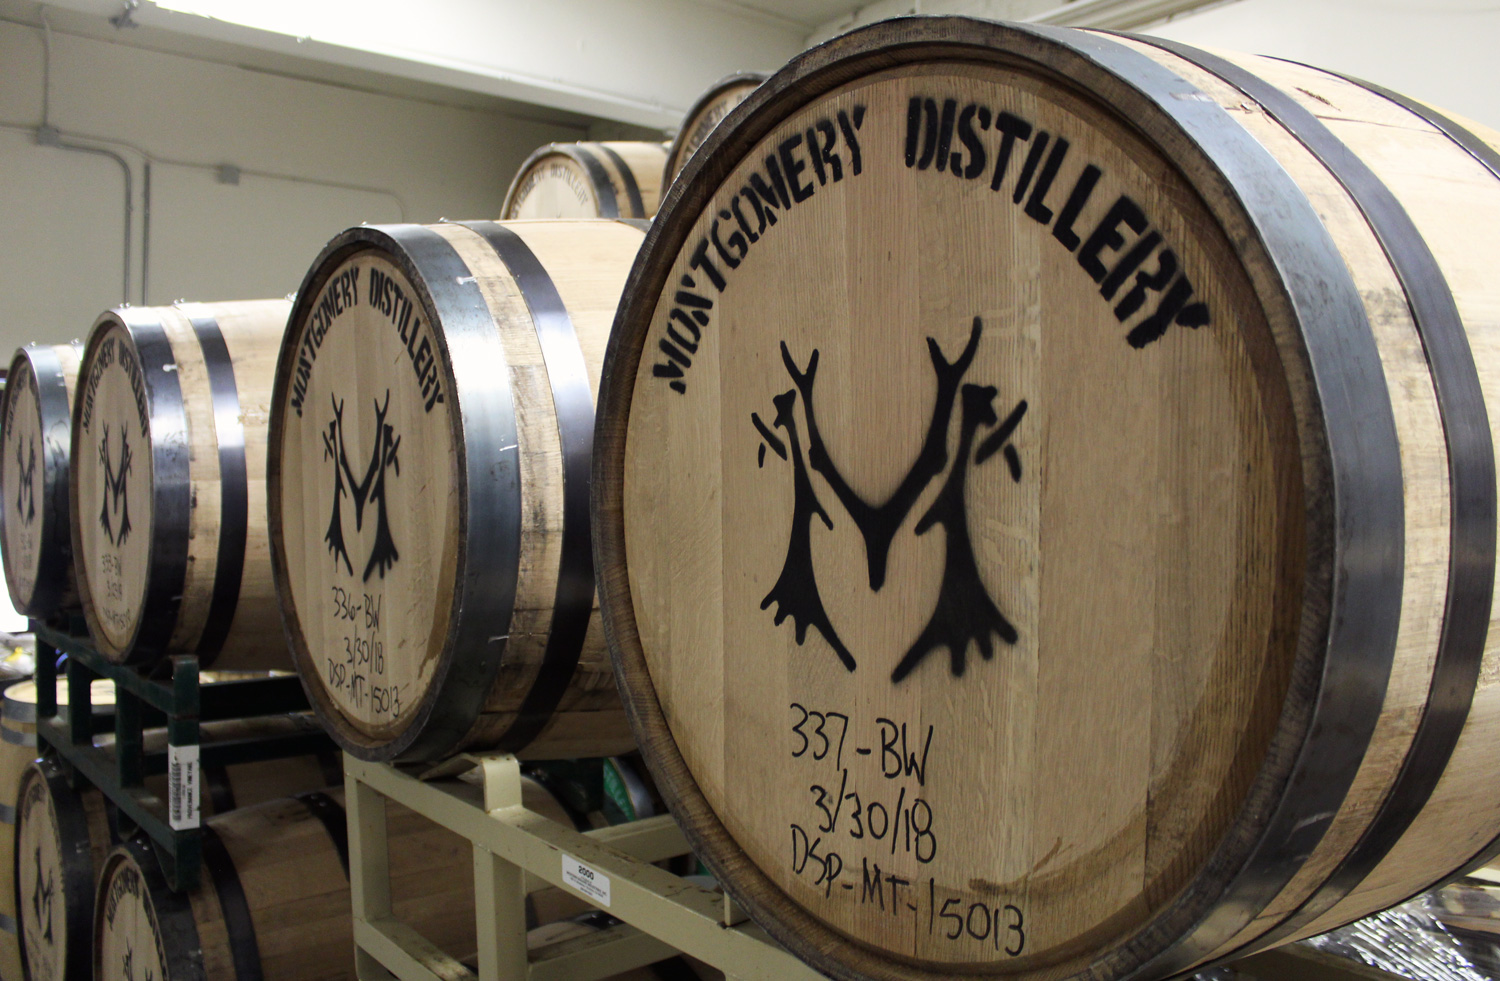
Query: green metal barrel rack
pixel 180 702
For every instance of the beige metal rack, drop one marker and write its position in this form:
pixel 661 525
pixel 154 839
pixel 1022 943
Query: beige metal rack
pixel 661 913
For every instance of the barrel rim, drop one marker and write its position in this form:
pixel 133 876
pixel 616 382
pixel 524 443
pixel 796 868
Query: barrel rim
pixel 1488 156
pixel 233 473
pixel 479 615
pixel 54 571
pixel 74 848
pixel 733 79
pixel 573 411
pixel 1348 556
pixel 176 931
pixel 1471 476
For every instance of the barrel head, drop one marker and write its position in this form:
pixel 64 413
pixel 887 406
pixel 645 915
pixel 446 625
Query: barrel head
pixel 113 486
pixel 128 938
pixel 366 483
pixel 951 513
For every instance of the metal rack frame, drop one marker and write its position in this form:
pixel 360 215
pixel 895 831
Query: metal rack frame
pixel 661 913
pixel 179 703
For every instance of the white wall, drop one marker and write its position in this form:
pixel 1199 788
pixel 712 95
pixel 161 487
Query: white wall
pixel 1440 51
pixel 62 213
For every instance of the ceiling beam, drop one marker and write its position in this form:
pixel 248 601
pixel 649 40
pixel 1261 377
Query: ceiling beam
pixel 642 63
pixel 1111 14
pixel 1118 15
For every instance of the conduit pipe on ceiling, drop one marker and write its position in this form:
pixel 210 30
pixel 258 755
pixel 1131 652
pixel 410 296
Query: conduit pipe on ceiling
pixel 1118 15
pixel 49 136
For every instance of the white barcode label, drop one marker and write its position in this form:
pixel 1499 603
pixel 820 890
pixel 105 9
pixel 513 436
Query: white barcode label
pixel 591 882
pixel 182 787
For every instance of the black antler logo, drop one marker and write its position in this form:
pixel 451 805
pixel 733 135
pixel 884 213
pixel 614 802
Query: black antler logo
pixel 41 897
pixel 116 497
pixel 371 489
pixel 964 612
pixel 26 496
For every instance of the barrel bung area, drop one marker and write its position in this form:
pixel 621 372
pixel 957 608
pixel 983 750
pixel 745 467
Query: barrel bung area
pixel 760 492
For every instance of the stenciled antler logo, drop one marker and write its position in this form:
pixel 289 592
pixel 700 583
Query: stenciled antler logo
pixel 371 489
pixel 116 499
pixel 41 897
pixel 26 495
pixel 964 614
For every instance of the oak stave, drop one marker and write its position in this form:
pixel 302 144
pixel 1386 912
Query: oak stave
pixel 37 545
pixel 171 549
pixel 275 898
pixel 588 180
pixel 712 106
pixel 462 614
pixel 63 834
pixel 1331 242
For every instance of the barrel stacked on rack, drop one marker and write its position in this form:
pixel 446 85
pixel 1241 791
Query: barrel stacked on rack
pixel 148 488
pixel 1045 502
pixel 1046 477
pixel 18 746
pixel 429 486
pixel 35 541
pixel 146 508
pixel 588 180
pixel 277 897
pixel 168 483
pixel 64 831
pixel 710 109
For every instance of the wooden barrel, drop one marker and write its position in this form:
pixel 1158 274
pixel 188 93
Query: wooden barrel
pixel 711 107
pixel 275 898
pixel 430 437
pixel 168 483
pixel 63 833
pixel 1121 602
pixel 18 747
pixel 588 180
pixel 34 538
